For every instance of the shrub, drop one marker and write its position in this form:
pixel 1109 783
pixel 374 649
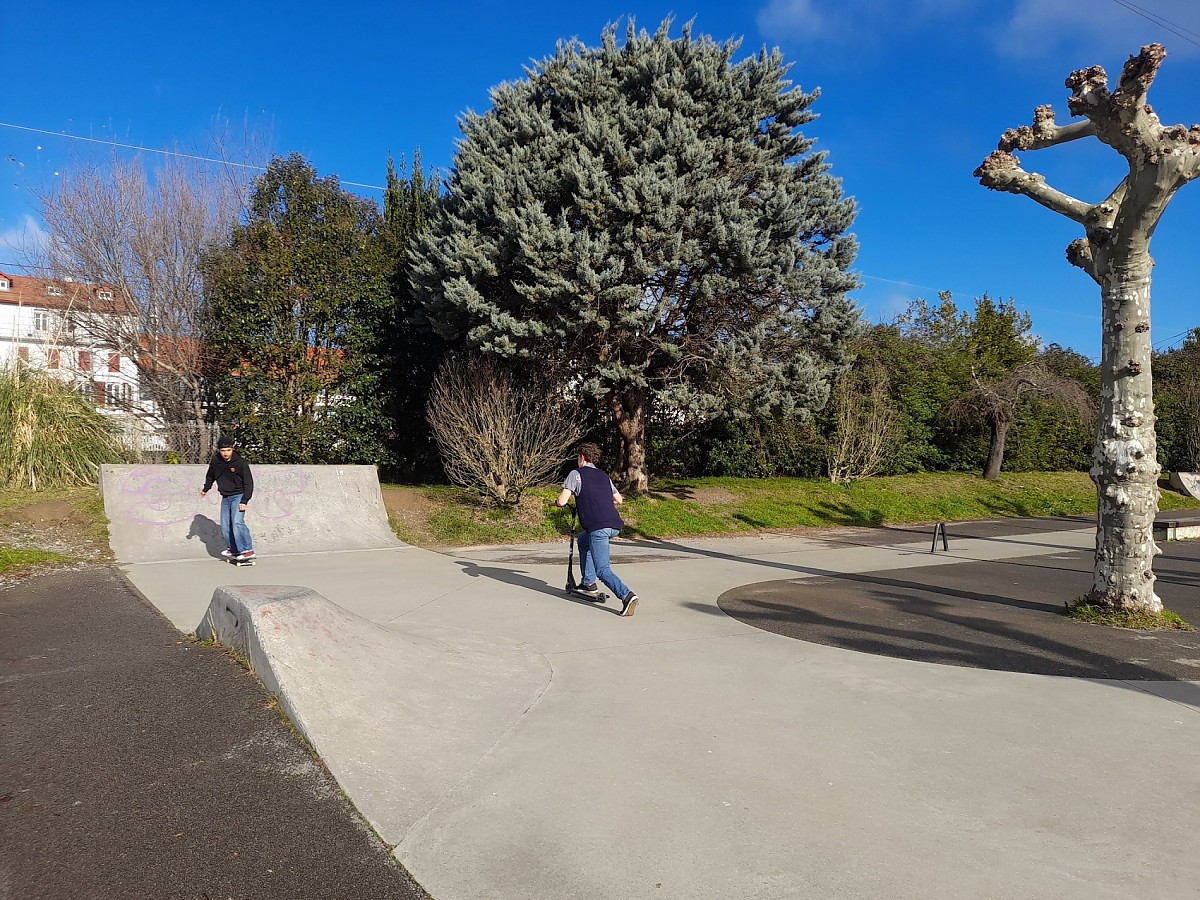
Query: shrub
pixel 50 436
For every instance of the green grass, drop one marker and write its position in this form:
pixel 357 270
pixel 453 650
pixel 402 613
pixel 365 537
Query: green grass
pixel 17 559
pixel 1123 618
pixel 715 506
pixel 454 517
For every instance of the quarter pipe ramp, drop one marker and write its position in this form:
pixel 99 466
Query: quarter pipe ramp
pixel 156 513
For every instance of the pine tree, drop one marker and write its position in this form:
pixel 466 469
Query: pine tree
pixel 409 351
pixel 647 221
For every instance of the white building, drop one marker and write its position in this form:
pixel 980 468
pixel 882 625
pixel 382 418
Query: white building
pixel 41 324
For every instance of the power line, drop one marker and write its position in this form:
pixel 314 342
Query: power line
pixel 1173 337
pixel 110 143
pixel 1177 30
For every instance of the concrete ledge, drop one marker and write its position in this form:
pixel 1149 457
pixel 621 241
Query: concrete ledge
pixel 399 715
pixel 1176 531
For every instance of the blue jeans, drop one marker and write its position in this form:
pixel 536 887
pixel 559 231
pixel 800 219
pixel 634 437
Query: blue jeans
pixel 594 557
pixel 233 525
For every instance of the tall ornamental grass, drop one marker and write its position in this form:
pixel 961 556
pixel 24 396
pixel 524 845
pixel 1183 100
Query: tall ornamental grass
pixel 50 436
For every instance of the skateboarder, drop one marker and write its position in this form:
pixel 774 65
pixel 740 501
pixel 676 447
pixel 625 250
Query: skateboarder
pixel 236 484
pixel 597 500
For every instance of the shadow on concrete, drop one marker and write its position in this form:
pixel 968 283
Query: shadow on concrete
pixel 521 580
pixel 209 533
pixel 1002 614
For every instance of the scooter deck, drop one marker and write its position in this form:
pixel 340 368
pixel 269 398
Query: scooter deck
pixel 591 598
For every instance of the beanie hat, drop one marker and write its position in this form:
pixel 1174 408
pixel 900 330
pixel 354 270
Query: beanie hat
pixel 224 442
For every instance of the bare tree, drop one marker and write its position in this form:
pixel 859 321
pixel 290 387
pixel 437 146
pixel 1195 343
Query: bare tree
pixel 1115 252
pixel 140 234
pixel 495 435
pixel 866 424
pixel 995 403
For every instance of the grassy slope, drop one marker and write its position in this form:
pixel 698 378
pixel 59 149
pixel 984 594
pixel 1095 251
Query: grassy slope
pixel 690 507
pixel 441 516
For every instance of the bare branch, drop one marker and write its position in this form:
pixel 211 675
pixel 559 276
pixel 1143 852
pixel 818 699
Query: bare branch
pixel 497 436
pixel 1044 132
pixel 1138 74
pixel 142 234
pixel 1001 172
pixel 1079 253
pixel 867 424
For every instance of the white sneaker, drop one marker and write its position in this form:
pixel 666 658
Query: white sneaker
pixel 228 554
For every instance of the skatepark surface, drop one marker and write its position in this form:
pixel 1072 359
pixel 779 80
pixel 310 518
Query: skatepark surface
pixel 511 742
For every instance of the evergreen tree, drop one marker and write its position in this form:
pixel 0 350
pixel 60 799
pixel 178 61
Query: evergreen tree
pixel 1177 404
pixel 297 299
pixel 409 350
pixel 1045 440
pixel 647 221
pixel 936 354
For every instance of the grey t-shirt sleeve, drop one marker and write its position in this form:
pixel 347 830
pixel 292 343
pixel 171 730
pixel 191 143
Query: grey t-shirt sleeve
pixel 573 482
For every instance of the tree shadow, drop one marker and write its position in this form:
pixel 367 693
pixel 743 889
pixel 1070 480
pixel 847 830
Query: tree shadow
pixel 947 638
pixel 961 615
pixel 674 491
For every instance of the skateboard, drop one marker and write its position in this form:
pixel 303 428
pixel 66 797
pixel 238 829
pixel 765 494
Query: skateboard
pixel 245 562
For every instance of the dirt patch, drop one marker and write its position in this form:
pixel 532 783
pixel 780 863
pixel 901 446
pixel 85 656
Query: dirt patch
pixel 408 509
pixel 56 526
pixel 46 512
pixel 406 500
pixel 712 496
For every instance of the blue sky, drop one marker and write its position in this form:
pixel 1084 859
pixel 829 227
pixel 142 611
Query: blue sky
pixel 913 96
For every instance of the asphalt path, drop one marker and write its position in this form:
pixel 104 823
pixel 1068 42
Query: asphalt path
pixel 1004 614
pixel 135 763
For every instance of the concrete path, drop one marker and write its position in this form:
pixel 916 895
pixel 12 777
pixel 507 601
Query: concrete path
pixel 681 753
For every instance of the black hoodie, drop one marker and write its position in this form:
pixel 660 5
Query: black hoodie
pixel 232 477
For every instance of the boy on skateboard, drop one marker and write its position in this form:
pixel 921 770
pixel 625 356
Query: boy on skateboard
pixel 236 484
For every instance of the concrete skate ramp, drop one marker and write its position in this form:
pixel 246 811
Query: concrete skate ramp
pixel 156 513
pixel 401 714
pixel 1187 483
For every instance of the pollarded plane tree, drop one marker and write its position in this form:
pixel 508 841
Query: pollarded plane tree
pixel 1115 252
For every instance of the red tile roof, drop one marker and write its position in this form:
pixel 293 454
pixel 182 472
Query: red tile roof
pixel 52 293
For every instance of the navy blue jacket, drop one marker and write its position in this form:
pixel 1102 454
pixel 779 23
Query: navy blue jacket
pixel 595 501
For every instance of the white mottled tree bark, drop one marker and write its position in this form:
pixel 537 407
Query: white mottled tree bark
pixel 1116 253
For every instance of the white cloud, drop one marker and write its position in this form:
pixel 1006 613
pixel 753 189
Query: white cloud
pixel 793 18
pixel 23 242
pixel 1105 33
pixel 1076 33
pixel 857 21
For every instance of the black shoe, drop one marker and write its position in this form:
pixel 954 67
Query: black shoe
pixel 588 592
pixel 629 604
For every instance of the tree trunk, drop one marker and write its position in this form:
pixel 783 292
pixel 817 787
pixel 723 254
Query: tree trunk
pixel 1125 464
pixel 995 460
pixel 628 407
